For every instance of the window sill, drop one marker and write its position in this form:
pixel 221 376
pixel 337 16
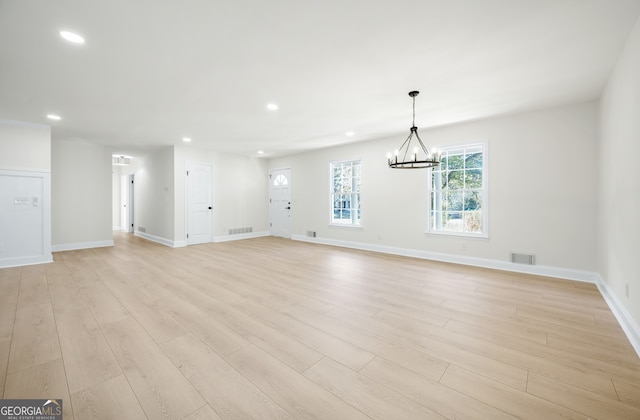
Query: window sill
pixel 458 235
pixel 335 225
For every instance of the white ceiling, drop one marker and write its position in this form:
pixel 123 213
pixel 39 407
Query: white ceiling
pixel 154 71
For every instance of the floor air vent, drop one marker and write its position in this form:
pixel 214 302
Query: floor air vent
pixel 520 258
pixel 236 231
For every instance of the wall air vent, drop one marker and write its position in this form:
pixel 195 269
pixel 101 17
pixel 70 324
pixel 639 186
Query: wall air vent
pixel 311 233
pixel 238 231
pixel 520 258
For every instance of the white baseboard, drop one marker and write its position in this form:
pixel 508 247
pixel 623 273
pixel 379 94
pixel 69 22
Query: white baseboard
pixel 628 324
pixel 19 262
pixel 159 240
pixel 541 270
pixel 626 321
pixel 153 238
pixel 81 245
pixel 179 244
pixel 239 236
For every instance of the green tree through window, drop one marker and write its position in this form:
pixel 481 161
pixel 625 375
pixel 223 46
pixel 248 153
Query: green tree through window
pixel 458 192
pixel 345 193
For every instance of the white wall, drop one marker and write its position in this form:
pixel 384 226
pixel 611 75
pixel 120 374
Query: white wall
pixel 81 195
pixel 240 190
pixel 239 184
pixel 542 182
pixel 25 169
pixel 618 192
pixel 25 146
pixel 154 193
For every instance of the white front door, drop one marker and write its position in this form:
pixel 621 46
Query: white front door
pixel 199 203
pixel 280 202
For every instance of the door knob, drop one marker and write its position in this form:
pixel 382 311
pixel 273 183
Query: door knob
pixel 287 208
pixel 210 207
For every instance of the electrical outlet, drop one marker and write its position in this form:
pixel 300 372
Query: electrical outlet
pixel 626 290
pixel 464 246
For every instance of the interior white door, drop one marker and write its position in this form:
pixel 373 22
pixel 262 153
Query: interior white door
pixel 199 203
pixel 280 202
pixel 126 203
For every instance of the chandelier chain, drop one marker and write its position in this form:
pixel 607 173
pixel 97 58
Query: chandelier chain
pixel 413 124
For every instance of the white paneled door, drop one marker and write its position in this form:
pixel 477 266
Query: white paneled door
pixel 199 203
pixel 280 202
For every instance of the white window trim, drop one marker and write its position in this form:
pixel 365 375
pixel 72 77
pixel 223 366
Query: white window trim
pixel 485 187
pixel 341 225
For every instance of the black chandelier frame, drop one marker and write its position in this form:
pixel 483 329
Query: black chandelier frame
pixel 405 157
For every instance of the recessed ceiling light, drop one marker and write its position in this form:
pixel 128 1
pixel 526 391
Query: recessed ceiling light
pixel 72 37
pixel 186 139
pixel 272 107
pixel 261 152
pixel 349 133
pixel 54 117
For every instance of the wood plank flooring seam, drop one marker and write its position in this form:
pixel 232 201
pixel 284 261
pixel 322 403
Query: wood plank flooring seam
pixel 64 367
pixel 5 361
pixel 15 310
pixel 577 364
pixel 409 339
pixel 503 344
pixel 101 328
pixel 47 307
pixel 441 411
pixel 616 390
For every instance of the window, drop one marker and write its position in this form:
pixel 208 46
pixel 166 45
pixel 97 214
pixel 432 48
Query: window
pixel 458 192
pixel 280 180
pixel 345 193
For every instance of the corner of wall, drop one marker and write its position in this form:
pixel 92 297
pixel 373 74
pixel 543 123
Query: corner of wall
pixel 618 225
pixel 626 321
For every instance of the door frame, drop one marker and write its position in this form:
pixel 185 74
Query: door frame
pixel 187 163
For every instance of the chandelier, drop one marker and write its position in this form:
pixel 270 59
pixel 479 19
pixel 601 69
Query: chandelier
pixel 419 157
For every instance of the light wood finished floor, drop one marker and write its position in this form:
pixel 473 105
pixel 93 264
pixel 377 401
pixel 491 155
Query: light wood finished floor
pixel 270 328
